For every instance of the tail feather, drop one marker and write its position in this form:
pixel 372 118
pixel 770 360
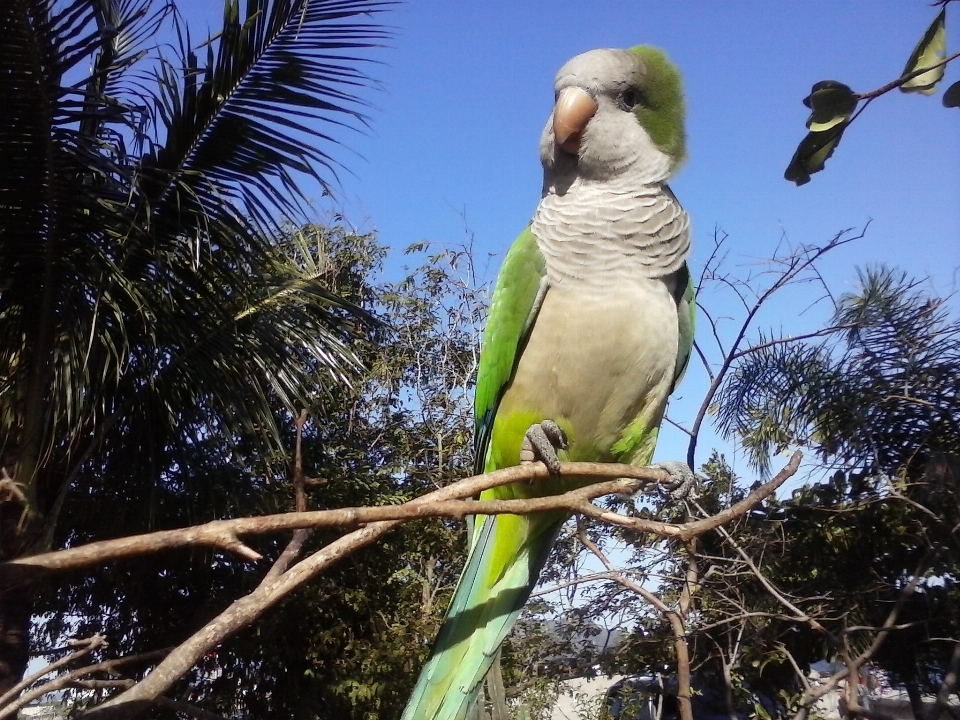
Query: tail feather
pixel 501 571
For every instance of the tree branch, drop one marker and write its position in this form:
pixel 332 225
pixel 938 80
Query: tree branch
pixel 894 84
pixel 224 534
pixel 812 694
pixel 59 683
pixel 244 611
pixel 795 264
pixel 674 617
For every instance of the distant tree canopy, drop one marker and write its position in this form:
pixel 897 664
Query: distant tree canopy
pixel 144 305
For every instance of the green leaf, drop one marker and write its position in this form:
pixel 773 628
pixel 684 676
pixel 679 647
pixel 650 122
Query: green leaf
pixel 951 98
pixel 812 153
pixel 832 103
pixel 931 49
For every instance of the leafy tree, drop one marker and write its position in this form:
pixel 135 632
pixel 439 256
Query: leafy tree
pixel 144 307
pixel 881 407
pixel 882 401
pixel 820 574
pixel 351 643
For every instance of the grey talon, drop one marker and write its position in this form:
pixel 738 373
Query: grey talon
pixel 683 484
pixel 541 442
pixel 554 433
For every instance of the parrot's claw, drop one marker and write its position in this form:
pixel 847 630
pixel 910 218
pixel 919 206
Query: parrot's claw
pixel 541 442
pixel 683 483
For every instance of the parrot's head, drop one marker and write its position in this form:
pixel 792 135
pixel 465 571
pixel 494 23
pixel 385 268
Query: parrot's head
pixel 616 112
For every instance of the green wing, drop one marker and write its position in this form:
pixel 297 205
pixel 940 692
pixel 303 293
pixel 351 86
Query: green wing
pixel 686 312
pixel 505 554
pixel 516 300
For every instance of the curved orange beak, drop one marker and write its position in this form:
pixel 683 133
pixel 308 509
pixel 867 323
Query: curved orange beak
pixel 571 114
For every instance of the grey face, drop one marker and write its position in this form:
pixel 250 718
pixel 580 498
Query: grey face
pixel 612 143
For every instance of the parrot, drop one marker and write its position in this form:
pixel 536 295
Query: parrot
pixel 589 331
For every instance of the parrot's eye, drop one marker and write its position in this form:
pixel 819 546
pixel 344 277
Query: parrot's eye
pixel 630 98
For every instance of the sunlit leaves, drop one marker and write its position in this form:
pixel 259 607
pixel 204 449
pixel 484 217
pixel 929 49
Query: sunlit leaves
pixel 931 49
pixel 833 105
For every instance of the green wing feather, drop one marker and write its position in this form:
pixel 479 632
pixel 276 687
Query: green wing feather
pixel 517 297
pixel 506 552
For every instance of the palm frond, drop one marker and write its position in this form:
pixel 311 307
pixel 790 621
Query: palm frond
pixel 143 295
pixel 256 112
pixel 57 184
pixel 883 399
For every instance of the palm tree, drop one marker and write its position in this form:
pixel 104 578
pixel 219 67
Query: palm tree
pixel 144 303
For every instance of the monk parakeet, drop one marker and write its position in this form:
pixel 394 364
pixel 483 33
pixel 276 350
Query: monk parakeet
pixel 590 329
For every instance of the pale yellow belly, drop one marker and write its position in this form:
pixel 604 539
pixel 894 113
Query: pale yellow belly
pixel 594 362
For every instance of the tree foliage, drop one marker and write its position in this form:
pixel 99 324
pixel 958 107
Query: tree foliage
pixel 143 301
pixel 144 305
pixel 819 574
pixel 351 643
pixel 882 400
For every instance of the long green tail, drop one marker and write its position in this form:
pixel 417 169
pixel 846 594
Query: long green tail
pixel 501 571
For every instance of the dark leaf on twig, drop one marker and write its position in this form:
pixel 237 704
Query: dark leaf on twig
pixel 832 103
pixel 812 153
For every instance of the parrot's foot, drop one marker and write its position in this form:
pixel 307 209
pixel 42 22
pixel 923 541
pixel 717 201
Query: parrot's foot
pixel 541 442
pixel 683 482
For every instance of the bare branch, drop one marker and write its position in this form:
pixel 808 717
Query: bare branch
pixel 247 609
pixel 223 534
pixel 293 549
pixel 107 666
pixel 798 614
pixel 813 693
pixel 85 647
pixel 674 617
pixel 825 332
pixel 793 266
pixel 948 687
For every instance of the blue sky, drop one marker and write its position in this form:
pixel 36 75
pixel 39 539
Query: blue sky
pixel 466 87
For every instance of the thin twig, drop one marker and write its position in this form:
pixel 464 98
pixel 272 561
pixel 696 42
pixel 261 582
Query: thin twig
pixel 86 646
pixel 812 694
pixel 293 549
pixel 798 614
pixel 673 617
pixel 59 683
pixel 894 84
pixel 795 265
